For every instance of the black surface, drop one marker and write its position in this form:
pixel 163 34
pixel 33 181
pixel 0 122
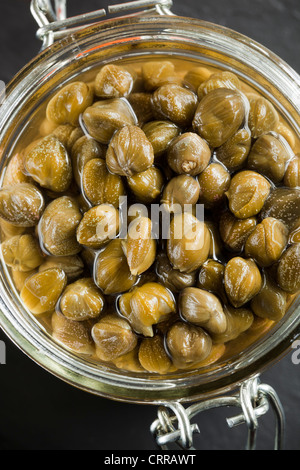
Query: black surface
pixel 40 412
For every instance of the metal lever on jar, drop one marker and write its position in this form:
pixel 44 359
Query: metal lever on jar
pixel 254 399
pixel 56 25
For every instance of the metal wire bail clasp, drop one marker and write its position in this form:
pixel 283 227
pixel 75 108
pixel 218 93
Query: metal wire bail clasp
pixel 254 400
pixel 54 24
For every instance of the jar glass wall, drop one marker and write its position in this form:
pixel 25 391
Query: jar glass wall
pixel 133 39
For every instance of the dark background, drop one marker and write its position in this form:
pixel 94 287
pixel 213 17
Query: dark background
pixel 40 412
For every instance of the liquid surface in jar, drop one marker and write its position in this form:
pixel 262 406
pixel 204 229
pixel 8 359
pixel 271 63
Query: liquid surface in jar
pixel 150 216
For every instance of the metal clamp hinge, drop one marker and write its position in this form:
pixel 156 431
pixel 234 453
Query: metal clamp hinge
pixel 254 400
pixel 54 24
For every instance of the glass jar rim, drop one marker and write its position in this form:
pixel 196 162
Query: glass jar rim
pixel 27 335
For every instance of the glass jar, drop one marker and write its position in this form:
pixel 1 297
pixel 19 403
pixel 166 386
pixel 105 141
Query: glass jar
pixel 133 38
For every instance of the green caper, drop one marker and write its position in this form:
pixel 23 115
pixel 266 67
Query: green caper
pixel 113 81
pixel 267 242
pixel 269 157
pixel 84 150
pixel 174 103
pixel 219 116
pixel 170 277
pixel 234 152
pixel 180 191
pixel 188 154
pixel 98 225
pixel 247 194
pixel 214 181
pixel 263 117
pixel 147 185
pixel 42 290
pixel 105 117
pixel 99 185
pixel 113 337
pixel 21 204
pixel 188 344
pixel 111 271
pixel 129 152
pixel 160 134
pixel 48 163
pixel 58 225
pixel 242 280
pixel 69 102
pixel 189 243
pixel 81 300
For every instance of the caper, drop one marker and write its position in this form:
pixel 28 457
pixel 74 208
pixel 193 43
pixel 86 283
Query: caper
pixel 113 81
pixel 263 117
pixel 113 337
pixel 15 171
pixel 287 134
pixel 49 165
pixel 81 300
pixel 22 252
pixel 21 204
pixel 111 271
pixel 195 76
pixel 157 73
pixel 84 150
pixel 235 232
pixel 271 302
pixel 140 246
pixel 142 106
pixel 129 152
pixel 211 278
pixel 247 194
pixel 147 185
pixel 242 281
pixel 174 103
pixel 58 225
pixel 42 290
pixel 219 116
pixel 170 277
pixel 105 117
pixel 72 266
pixel 129 361
pixel 160 134
pixel 180 191
pixel 72 334
pixel 284 205
pixel 65 134
pixel 294 236
pixel 19 277
pixel 292 174
pixel 214 181
pixel 269 157
pixel 267 242
pixel 239 320
pixel 288 271
pixel 146 306
pixel 99 185
pixel 46 127
pixel 98 225
pixel 219 80
pixel 189 243
pixel 9 230
pixel 202 308
pixel 153 356
pixel 188 344
pixel 69 102
pixel 188 154
pixel 234 152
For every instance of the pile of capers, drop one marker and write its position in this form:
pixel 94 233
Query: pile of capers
pixel 155 135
